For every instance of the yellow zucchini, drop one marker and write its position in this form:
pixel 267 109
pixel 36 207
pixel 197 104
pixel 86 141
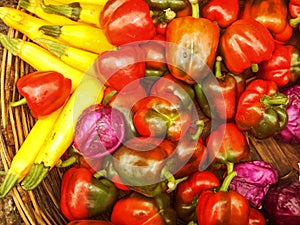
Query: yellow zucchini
pixel 34 6
pixel 40 59
pixel 24 158
pixel 81 12
pixel 80 36
pixel 75 57
pixel 89 92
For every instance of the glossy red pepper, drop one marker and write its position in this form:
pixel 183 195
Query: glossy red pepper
pixel 141 163
pixel 222 207
pixel 227 144
pixel 273 14
pixel 244 43
pixel 127 21
pixel 261 109
pixel 222 12
pixel 44 92
pixel 294 12
pixel 192 46
pixel 155 116
pixel 218 95
pixel 83 196
pixel 124 101
pixel 282 67
pixel 256 217
pixel 138 209
pixel 90 222
pixel 188 191
pixel 121 67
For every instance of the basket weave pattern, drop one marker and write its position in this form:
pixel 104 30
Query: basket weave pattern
pixel 41 206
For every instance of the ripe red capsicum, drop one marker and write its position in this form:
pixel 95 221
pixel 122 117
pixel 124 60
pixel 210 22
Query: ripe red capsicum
pixel 294 12
pixel 188 191
pixel 227 85
pixel 44 92
pixel 90 222
pixel 261 109
pixel 83 196
pixel 282 67
pixel 192 46
pixel 138 209
pixel 121 67
pixel 141 164
pixel 273 14
pixel 222 12
pixel 256 217
pixel 227 144
pixel 244 43
pixel 127 21
pixel 222 207
pixel 155 116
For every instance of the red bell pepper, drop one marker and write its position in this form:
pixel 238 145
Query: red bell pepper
pixel 273 14
pixel 44 92
pixel 155 116
pixel 222 12
pixel 227 144
pixel 90 222
pixel 138 209
pixel 83 196
pixel 192 46
pixel 261 109
pixel 188 191
pixel 218 95
pixel 294 12
pixel 127 21
pixel 244 43
pixel 282 67
pixel 222 207
pixel 256 217
pixel 121 67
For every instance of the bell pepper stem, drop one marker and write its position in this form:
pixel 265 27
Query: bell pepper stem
pixel 229 166
pixel 165 173
pixel 195 8
pixel 254 68
pixel 218 71
pixel 295 21
pixel 109 96
pixel 20 102
pixel 199 130
pixel 71 11
pixel 68 162
pixel 228 178
pixel 36 174
pixel 100 173
pixel 279 99
pixel 9 182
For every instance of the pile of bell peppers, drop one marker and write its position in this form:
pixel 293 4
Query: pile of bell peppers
pixel 192 81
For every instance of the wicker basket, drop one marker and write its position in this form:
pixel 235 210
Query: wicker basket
pixel 41 206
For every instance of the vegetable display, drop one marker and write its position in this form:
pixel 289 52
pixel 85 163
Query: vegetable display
pixel 152 108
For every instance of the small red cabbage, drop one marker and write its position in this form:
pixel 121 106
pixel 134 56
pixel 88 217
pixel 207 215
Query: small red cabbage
pixel 253 180
pixel 99 131
pixel 282 203
pixel 291 133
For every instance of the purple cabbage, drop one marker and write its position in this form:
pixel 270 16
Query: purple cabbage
pixel 291 133
pixel 253 180
pixel 282 203
pixel 99 131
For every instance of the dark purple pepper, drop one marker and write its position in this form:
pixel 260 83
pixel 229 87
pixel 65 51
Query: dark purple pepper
pixel 282 204
pixel 99 131
pixel 253 180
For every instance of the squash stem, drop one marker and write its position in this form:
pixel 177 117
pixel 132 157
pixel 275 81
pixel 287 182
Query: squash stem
pixel 36 174
pixel 9 182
